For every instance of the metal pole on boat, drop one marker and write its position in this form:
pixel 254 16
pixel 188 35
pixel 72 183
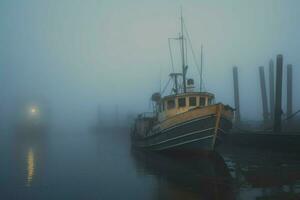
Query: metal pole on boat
pixel 174 76
pixel 278 94
pixel 289 100
pixel 271 83
pixel 236 94
pixel 263 93
pixel 184 67
pixel 201 69
pixel 176 86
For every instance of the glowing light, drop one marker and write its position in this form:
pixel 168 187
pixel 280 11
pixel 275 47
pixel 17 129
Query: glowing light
pixel 33 110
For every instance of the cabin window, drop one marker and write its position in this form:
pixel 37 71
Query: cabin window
pixel 209 101
pixel 171 104
pixel 202 101
pixel 181 102
pixel 192 101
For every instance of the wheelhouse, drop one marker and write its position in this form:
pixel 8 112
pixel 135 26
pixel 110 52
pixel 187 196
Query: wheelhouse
pixel 175 104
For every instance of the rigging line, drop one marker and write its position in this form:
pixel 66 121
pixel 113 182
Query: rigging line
pixel 171 55
pixel 193 52
pixel 199 68
pixel 166 86
pixel 186 54
pixel 173 86
pixel 180 85
pixel 292 115
pixel 160 79
pixel 203 86
pixel 179 40
pixel 183 40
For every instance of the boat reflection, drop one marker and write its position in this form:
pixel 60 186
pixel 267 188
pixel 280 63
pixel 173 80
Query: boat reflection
pixel 186 175
pixel 264 174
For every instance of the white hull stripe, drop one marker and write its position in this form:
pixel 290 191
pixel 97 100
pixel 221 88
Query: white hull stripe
pixel 181 136
pixel 182 143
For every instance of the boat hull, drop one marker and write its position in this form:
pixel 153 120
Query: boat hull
pixel 195 134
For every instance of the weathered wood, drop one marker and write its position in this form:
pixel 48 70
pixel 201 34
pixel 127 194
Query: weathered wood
pixel 289 100
pixel 263 93
pixel 278 94
pixel 271 84
pixel 219 109
pixel 193 114
pixel 236 94
pixel 167 113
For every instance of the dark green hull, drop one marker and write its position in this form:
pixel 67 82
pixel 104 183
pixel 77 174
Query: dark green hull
pixel 196 134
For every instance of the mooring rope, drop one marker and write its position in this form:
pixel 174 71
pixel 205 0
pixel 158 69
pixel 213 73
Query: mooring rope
pixel 292 115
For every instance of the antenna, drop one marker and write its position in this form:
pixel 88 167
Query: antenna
pixel 171 56
pixel 160 79
pixel 184 68
pixel 201 68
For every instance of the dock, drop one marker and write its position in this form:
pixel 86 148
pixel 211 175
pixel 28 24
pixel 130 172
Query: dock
pixel 275 132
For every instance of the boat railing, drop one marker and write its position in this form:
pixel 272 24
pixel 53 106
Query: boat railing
pixel 146 115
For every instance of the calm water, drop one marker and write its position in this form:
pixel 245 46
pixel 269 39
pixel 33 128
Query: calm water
pixel 81 163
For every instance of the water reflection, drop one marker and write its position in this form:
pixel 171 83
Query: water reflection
pixel 77 165
pixel 238 174
pixel 264 174
pixel 30 166
pixel 29 147
pixel 187 175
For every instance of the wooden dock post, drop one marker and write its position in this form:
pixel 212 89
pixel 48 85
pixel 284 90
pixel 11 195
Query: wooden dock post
pixel 236 94
pixel 289 99
pixel 271 84
pixel 263 93
pixel 278 94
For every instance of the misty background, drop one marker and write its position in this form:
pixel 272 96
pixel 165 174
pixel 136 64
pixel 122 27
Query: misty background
pixel 79 55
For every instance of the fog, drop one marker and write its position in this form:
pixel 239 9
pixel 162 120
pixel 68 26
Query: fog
pixel 81 55
pixel 74 73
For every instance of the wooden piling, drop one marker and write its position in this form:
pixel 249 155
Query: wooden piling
pixel 289 100
pixel 278 94
pixel 263 93
pixel 271 92
pixel 236 94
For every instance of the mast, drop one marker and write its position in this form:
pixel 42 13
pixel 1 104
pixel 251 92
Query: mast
pixel 201 69
pixel 184 68
pixel 174 76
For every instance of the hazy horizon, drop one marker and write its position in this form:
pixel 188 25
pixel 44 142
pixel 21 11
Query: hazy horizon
pixel 81 54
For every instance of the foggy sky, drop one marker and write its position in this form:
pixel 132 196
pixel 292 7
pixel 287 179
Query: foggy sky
pixel 79 54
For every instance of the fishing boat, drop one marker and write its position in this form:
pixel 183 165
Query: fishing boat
pixel 185 119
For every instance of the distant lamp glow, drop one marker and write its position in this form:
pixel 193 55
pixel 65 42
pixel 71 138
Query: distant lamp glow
pixel 33 111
